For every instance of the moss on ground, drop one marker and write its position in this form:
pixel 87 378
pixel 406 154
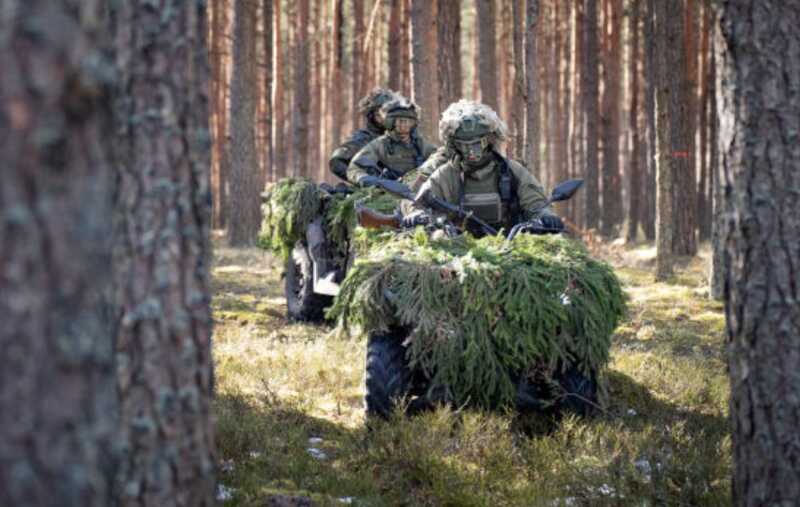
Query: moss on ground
pixel 664 438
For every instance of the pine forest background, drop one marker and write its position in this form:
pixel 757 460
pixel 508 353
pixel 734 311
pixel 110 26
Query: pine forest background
pixel 293 70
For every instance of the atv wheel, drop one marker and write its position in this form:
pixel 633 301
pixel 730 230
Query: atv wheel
pixel 579 393
pixel 388 375
pixel 303 305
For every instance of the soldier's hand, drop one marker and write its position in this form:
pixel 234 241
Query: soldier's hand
pixel 552 222
pixel 368 181
pixel 414 219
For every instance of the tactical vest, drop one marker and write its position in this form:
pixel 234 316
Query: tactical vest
pixel 401 157
pixel 498 206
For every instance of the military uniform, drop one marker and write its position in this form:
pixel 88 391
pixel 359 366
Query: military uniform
pixel 341 156
pixel 481 190
pixel 388 152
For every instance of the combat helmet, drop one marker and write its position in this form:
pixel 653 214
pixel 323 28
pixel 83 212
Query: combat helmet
pixel 372 101
pixel 400 107
pixel 468 120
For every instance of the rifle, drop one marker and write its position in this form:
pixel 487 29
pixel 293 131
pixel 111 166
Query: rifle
pixel 372 219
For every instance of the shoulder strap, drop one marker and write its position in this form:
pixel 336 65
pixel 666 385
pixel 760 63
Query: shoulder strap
pixel 507 188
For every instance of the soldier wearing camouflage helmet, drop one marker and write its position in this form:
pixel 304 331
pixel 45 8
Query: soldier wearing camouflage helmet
pixel 400 150
pixel 498 190
pixel 369 106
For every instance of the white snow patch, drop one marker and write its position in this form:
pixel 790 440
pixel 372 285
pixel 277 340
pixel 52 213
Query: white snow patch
pixel 316 453
pixel 346 500
pixel 314 441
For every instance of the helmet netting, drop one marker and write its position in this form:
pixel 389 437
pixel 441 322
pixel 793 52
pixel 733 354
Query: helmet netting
pixel 483 114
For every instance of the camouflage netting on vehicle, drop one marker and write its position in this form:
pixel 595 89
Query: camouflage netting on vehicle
pixel 480 311
pixel 293 203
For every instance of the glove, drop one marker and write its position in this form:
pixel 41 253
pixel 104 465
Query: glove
pixel 552 222
pixel 414 219
pixel 368 181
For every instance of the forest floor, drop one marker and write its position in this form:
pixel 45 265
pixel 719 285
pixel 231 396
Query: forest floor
pixel 290 414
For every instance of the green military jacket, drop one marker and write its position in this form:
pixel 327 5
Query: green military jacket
pixel 388 152
pixel 481 193
pixel 341 156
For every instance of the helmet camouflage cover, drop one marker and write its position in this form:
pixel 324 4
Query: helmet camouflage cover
pixel 376 98
pixel 400 107
pixel 467 120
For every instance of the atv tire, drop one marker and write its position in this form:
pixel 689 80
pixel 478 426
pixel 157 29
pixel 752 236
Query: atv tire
pixel 579 392
pixel 302 303
pixel 388 376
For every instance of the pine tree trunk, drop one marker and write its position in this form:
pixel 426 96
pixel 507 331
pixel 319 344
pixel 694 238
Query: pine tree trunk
pixel 590 100
pixel 405 58
pixel 634 171
pixel 57 388
pixel 719 211
pixel 612 83
pixel 449 45
pixel 487 54
pixel 649 218
pixel 704 189
pixel 424 66
pixel 518 95
pixel 244 205
pixel 279 99
pixel 395 41
pixel 337 82
pixel 267 7
pixel 356 70
pixel 161 256
pixel 531 88
pixel 760 120
pixel 577 204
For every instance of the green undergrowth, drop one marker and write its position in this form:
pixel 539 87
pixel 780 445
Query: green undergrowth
pixel 663 438
pixel 479 312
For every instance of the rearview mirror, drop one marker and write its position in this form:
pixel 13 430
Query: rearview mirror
pixel 565 190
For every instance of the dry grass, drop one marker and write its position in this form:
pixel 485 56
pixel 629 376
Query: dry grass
pixel 664 440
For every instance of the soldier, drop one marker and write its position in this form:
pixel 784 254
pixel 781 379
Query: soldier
pixel 498 190
pixel 395 153
pixel 369 106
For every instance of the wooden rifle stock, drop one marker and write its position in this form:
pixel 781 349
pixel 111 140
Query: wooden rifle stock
pixel 372 219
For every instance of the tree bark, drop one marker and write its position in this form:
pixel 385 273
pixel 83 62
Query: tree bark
pixel 57 395
pixel 162 200
pixel 590 97
pixel 337 72
pixel 649 219
pixel 760 121
pixel 357 65
pixel 612 83
pixel 518 95
pixel 449 72
pixel 424 67
pixel 634 171
pixel 395 41
pixel 719 200
pixel 267 7
pixel 487 53
pixel 278 100
pixel 531 88
pixel 244 205
pixel 706 117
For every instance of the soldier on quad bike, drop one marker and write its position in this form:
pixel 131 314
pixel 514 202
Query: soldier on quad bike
pixel 400 150
pixel 369 106
pixel 498 190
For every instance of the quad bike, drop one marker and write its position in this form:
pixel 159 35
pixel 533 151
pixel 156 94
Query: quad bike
pixel 390 380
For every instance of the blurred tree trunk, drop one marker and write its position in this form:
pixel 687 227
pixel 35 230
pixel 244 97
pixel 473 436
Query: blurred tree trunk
pixel 244 205
pixel 313 47
pixel 590 86
pixel 356 64
pixel 395 43
pixel 759 124
pixel 704 189
pixel 163 319
pixel 449 72
pixel 518 95
pixel 278 100
pixel 649 215
pixel 531 88
pixel 719 198
pixel 335 97
pixel 487 52
pixel 424 66
pixel 634 170
pixel 57 390
pixel 267 7
pixel 405 57
pixel 611 119
pixel 577 204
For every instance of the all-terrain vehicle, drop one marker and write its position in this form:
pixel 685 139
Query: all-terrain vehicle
pixel 412 362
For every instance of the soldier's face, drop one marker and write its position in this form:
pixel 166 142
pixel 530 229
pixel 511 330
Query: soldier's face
pixel 472 151
pixel 403 126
